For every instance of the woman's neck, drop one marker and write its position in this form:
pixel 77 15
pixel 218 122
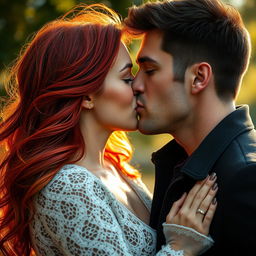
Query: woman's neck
pixel 95 139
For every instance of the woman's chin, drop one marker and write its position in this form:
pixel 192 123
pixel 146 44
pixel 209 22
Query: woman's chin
pixel 130 127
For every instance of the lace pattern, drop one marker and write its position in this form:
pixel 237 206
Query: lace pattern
pixel 75 214
pixel 204 242
pixel 167 250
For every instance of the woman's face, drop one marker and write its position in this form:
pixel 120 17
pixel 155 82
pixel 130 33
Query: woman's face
pixel 115 106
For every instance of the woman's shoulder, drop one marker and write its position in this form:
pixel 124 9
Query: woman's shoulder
pixel 74 182
pixel 74 175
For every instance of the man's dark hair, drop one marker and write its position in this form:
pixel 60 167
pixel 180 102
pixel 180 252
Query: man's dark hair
pixel 195 31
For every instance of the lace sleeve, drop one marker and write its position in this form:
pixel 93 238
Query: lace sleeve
pixel 195 241
pixel 166 250
pixel 76 214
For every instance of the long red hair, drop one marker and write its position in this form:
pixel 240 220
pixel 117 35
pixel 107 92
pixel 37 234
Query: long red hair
pixel 39 130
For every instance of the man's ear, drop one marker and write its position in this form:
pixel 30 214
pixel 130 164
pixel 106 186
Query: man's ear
pixel 87 102
pixel 202 73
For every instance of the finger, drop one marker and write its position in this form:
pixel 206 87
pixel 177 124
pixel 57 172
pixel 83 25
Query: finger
pixel 192 193
pixel 209 198
pixel 209 216
pixel 175 208
pixel 203 191
pixel 206 203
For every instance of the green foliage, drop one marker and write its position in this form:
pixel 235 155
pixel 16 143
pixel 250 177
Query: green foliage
pixel 21 18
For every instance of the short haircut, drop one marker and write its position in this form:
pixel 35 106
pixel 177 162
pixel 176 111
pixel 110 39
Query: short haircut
pixel 196 31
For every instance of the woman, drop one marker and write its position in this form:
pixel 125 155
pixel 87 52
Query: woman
pixel 66 186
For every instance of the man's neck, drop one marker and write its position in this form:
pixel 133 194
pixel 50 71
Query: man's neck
pixel 200 125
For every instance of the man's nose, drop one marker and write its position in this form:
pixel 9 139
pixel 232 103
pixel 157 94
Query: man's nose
pixel 138 85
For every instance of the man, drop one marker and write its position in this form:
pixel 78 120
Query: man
pixel 192 59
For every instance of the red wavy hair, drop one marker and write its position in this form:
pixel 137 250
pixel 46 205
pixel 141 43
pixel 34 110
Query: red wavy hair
pixel 39 130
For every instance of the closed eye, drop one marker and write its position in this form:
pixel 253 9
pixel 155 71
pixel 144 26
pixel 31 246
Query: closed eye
pixel 128 80
pixel 150 71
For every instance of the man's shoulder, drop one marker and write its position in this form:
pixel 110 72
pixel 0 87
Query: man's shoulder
pixel 245 145
pixel 241 152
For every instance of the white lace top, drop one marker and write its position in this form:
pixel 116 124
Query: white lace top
pixel 75 214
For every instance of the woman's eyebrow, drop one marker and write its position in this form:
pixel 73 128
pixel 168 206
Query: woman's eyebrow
pixel 128 65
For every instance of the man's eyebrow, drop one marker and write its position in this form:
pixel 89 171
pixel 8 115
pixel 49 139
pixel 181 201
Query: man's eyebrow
pixel 146 59
pixel 128 65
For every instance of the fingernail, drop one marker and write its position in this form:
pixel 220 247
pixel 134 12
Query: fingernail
pixel 214 201
pixel 212 176
pixel 215 186
pixel 183 194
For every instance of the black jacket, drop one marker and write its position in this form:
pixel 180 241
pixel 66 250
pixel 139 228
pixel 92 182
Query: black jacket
pixel 230 151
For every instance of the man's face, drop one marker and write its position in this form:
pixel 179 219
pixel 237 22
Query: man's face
pixel 162 103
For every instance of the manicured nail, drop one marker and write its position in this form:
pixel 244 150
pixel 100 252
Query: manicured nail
pixel 214 201
pixel 215 186
pixel 212 176
pixel 185 193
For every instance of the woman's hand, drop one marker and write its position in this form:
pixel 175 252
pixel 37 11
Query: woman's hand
pixel 195 211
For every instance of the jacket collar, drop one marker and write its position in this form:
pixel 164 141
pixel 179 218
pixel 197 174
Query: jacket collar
pixel 204 157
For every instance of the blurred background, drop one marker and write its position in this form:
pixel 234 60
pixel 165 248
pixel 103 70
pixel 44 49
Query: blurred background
pixel 19 19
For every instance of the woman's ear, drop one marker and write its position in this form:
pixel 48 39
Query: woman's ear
pixel 202 73
pixel 87 102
